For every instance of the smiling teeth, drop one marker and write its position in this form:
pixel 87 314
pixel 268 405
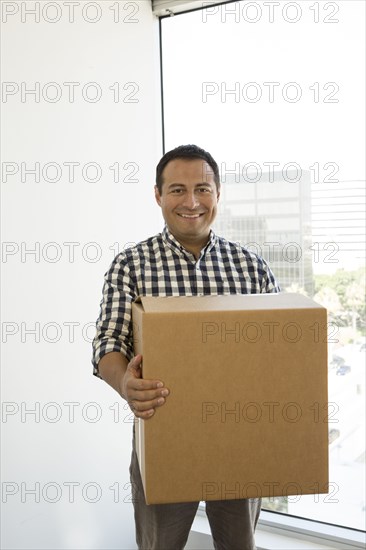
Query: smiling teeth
pixel 187 216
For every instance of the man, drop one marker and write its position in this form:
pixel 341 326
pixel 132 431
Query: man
pixel 187 258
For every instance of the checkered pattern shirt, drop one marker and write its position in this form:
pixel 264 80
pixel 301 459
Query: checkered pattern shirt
pixel 161 266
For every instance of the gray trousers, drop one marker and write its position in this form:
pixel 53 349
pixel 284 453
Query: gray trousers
pixel 167 526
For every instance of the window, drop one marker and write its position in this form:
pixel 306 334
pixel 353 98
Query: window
pixel 274 90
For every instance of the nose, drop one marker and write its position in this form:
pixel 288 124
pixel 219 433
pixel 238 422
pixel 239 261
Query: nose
pixel 190 200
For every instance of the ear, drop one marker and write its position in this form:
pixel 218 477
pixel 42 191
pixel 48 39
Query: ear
pixel 157 195
pixel 218 196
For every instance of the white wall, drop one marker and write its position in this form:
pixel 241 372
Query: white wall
pixel 38 453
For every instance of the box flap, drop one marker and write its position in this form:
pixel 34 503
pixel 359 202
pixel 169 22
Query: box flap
pixel 229 302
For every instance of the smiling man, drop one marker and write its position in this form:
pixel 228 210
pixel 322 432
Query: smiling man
pixel 188 200
pixel 185 259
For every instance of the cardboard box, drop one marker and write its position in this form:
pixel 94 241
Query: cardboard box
pixel 247 411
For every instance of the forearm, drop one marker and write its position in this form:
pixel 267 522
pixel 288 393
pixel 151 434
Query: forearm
pixel 112 368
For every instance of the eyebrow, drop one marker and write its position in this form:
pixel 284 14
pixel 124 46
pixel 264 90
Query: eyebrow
pixel 201 184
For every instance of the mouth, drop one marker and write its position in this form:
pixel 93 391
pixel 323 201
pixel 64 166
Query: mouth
pixel 190 216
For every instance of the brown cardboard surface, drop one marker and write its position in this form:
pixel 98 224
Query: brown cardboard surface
pixel 247 412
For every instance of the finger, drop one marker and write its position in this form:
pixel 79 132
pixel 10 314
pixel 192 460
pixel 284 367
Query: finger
pixel 144 415
pixel 146 395
pixel 135 365
pixel 145 406
pixel 139 384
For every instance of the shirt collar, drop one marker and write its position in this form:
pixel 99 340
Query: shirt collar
pixel 174 244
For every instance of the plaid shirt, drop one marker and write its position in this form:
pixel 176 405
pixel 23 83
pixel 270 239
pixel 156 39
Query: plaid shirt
pixel 160 266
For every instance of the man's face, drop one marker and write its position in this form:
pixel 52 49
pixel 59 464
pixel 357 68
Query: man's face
pixel 188 200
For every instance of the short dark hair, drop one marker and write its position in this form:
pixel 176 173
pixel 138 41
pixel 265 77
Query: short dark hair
pixel 188 152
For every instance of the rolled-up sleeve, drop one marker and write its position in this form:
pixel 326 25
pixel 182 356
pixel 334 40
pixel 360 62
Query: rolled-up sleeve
pixel 268 283
pixel 114 324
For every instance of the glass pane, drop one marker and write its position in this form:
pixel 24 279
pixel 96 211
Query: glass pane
pixel 275 92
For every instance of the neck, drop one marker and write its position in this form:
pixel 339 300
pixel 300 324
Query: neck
pixel 193 247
